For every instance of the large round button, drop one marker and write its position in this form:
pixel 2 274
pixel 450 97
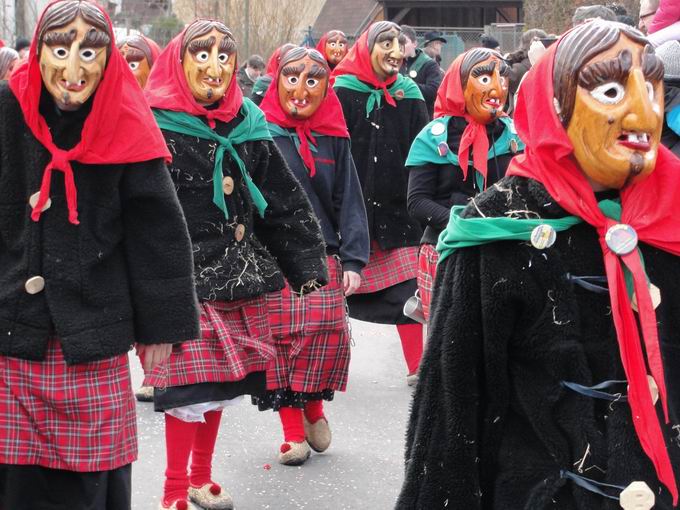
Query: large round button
pixel 34 284
pixel 621 239
pixel 543 236
pixel 438 128
pixel 240 232
pixel 228 185
pixel 33 201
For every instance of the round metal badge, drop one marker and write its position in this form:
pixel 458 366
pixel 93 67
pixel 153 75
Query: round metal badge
pixel 514 147
pixel 543 236
pixel 442 148
pixel 621 239
pixel 438 128
pixel 413 74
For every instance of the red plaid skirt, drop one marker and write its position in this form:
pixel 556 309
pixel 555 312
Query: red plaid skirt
pixel 311 335
pixel 235 341
pixel 77 418
pixel 386 268
pixel 427 269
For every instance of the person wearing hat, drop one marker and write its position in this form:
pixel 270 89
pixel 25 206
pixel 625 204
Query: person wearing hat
pixel 669 53
pixel 421 68
pixel 22 46
pixel 433 45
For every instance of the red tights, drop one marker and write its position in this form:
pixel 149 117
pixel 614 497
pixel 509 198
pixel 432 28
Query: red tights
pixel 411 336
pixel 291 420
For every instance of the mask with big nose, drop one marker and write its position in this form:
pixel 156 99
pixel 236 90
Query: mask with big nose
pixel 303 82
pixel 486 86
pixel 386 45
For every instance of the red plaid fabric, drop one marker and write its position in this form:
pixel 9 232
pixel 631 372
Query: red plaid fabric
pixel 311 336
pixel 235 341
pixel 386 268
pixel 78 418
pixel 427 269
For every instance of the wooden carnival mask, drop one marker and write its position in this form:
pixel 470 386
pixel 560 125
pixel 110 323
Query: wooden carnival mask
pixel 208 60
pixel 73 45
pixel 137 54
pixel 617 113
pixel 484 76
pixel 303 82
pixel 386 46
pixel 336 47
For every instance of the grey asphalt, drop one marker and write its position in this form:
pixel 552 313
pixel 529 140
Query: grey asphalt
pixel 363 468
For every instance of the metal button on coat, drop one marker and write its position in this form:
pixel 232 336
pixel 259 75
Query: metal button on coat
pixel 240 232
pixel 33 201
pixel 35 284
pixel 228 185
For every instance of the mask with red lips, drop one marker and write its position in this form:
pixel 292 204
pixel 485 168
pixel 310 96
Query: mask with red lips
pixel 484 75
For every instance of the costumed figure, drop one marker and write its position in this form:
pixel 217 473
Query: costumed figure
pixel 250 224
pixel 334 46
pixel 470 126
pixel 262 83
pixel 94 257
pixel 550 377
pixel 140 52
pixel 311 332
pixel 8 60
pixel 384 112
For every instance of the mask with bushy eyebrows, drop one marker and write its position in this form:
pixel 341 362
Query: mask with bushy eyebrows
pixel 303 82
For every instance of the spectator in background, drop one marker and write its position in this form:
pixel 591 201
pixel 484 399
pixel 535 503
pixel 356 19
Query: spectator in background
pixel 588 12
pixel 519 59
pixel 665 25
pixel 249 73
pixel 8 60
pixel 626 20
pixel 617 9
pixel 489 42
pixel 648 9
pixel 433 45
pixel 669 53
pixel 22 46
pixel 421 68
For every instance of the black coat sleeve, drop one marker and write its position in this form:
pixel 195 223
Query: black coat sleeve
pixel 423 183
pixel 433 78
pixel 462 395
pixel 289 229
pixel 349 208
pixel 159 257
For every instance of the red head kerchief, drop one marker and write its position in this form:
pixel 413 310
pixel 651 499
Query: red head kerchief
pixel 650 207
pixel 273 62
pixel 358 63
pixel 167 88
pixel 119 129
pixel 321 45
pixel 328 120
pixel 451 101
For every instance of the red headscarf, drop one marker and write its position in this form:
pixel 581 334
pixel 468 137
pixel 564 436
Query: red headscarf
pixel 649 207
pixel 321 45
pixel 119 129
pixel 327 120
pixel 451 101
pixel 167 88
pixel 357 62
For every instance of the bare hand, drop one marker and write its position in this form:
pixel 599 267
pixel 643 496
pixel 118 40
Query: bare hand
pixel 153 355
pixel 351 282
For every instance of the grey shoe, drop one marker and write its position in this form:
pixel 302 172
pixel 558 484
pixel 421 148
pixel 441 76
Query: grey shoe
pixel 318 434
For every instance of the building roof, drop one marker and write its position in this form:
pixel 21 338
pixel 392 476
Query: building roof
pixel 350 16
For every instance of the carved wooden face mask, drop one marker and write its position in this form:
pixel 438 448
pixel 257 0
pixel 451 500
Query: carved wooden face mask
pixel 616 124
pixel 72 62
pixel 387 54
pixel 208 64
pixel 336 48
pixel 139 64
pixel 486 90
pixel 302 87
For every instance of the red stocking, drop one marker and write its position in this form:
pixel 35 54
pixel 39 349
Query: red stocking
pixel 203 448
pixel 314 411
pixel 411 336
pixel 179 436
pixel 293 427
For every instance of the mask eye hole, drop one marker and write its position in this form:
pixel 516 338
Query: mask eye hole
pixel 293 80
pixel 134 65
pixel 60 52
pixel 484 79
pixel 88 54
pixel 609 93
pixel 387 45
pixel 312 82
pixel 223 58
pixel 332 45
pixel 202 56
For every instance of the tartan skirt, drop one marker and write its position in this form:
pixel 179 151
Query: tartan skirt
pixel 427 269
pixel 387 268
pixel 311 335
pixel 72 417
pixel 235 341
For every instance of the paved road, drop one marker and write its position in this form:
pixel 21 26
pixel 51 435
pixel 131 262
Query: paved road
pixel 361 470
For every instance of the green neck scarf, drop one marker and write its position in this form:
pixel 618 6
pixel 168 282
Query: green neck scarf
pixel 425 147
pixel 406 85
pixel 419 62
pixel 253 127
pixel 277 130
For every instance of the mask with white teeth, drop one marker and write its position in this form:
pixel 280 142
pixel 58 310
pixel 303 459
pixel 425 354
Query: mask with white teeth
pixel 386 45
pixel 209 62
pixel 486 88
pixel 303 82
